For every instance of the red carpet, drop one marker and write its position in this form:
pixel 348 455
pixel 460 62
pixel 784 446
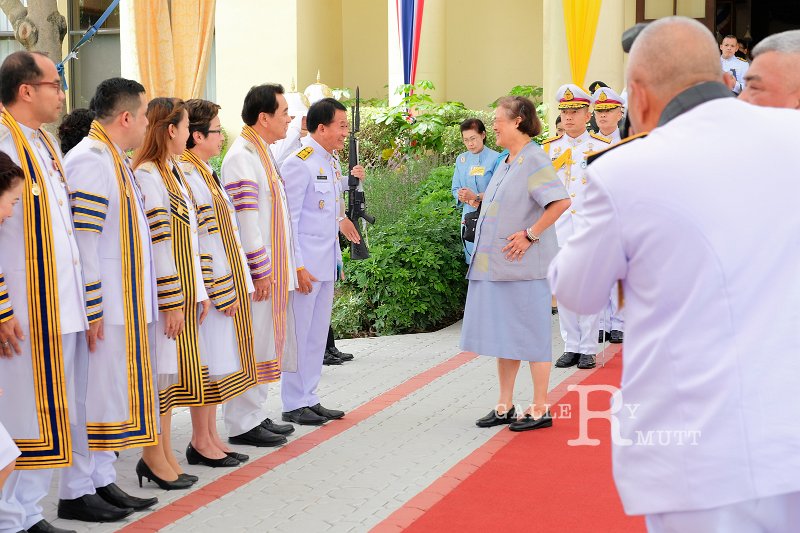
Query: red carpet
pixel 530 481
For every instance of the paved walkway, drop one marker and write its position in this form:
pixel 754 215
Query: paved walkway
pixel 411 402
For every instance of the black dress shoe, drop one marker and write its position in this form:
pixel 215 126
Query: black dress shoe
pixel 303 416
pixel 616 336
pixel 91 508
pixel 330 359
pixel 330 414
pixel 340 354
pixel 43 526
pixel 260 437
pixel 143 471
pixel 527 422
pixel 280 429
pixel 568 359
pixel 193 457
pixel 188 477
pixel 119 498
pixel 242 458
pixel 586 361
pixel 496 419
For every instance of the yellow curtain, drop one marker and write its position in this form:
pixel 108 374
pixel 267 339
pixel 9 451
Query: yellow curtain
pixel 173 51
pixel 192 35
pixel 580 21
pixel 154 47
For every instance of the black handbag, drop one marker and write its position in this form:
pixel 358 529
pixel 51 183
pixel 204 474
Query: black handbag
pixel 470 225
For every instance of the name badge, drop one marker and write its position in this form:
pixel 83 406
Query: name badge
pixel 322 178
pixel 477 171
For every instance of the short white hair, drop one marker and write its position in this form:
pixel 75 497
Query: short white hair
pixel 674 53
pixel 787 42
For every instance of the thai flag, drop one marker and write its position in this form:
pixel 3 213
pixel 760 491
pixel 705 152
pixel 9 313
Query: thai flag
pixel 409 20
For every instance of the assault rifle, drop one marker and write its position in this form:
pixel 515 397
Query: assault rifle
pixel 356 202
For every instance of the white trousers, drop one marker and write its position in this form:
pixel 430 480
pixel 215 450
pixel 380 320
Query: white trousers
pixel 19 505
pixel 579 332
pixel 244 412
pixel 24 489
pixel 776 514
pixel 312 318
pixel 86 474
pixel 613 317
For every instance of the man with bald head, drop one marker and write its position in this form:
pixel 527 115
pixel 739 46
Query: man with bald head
pixel 713 443
pixel 774 79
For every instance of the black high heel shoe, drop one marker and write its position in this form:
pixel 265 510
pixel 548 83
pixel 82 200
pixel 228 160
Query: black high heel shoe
pixel 188 477
pixel 193 457
pixel 143 471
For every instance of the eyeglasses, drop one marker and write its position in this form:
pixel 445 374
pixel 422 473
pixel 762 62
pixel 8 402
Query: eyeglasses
pixel 54 84
pixel 214 131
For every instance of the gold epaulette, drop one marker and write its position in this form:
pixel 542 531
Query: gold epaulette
pixel 186 167
pixel 600 137
pixel 594 155
pixel 305 153
pixel 551 139
pixel 97 145
pixel 149 166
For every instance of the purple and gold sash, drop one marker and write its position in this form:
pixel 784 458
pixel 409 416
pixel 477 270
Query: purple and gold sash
pixel 280 259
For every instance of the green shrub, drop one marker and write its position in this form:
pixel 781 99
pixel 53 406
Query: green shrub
pixel 390 193
pixel 414 278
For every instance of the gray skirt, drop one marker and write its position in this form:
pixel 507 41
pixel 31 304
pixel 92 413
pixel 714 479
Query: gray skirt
pixel 508 319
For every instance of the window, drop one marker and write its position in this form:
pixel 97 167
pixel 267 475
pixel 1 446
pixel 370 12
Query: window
pixel 702 10
pixel 98 59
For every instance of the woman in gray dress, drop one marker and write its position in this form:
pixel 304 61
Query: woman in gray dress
pixel 507 313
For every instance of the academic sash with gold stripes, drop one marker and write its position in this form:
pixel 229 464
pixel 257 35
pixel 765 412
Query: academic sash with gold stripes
pixel 280 259
pixel 53 447
pixel 192 375
pixel 140 428
pixel 237 382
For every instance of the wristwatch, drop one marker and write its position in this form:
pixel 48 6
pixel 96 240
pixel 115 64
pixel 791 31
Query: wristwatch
pixel 339 219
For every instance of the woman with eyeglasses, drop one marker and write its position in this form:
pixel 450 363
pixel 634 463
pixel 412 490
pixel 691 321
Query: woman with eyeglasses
pixel 507 314
pixel 473 171
pixel 227 334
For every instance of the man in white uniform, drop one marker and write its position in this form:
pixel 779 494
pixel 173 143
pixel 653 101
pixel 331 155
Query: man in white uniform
pixel 568 153
pixel 252 180
pixel 713 443
pixel 313 191
pixel 774 79
pixel 733 64
pixel 113 236
pixel 42 327
pixel 609 109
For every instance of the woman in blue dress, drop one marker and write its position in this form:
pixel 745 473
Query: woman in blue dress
pixel 507 314
pixel 473 171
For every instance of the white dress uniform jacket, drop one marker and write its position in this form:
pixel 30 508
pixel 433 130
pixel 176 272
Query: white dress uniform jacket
pixel 314 193
pixel 738 68
pixel 706 272
pixel 19 406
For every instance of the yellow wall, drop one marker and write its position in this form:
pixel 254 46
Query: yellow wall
pixel 433 53
pixel 365 47
pixel 488 54
pixel 257 48
pixel 319 42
